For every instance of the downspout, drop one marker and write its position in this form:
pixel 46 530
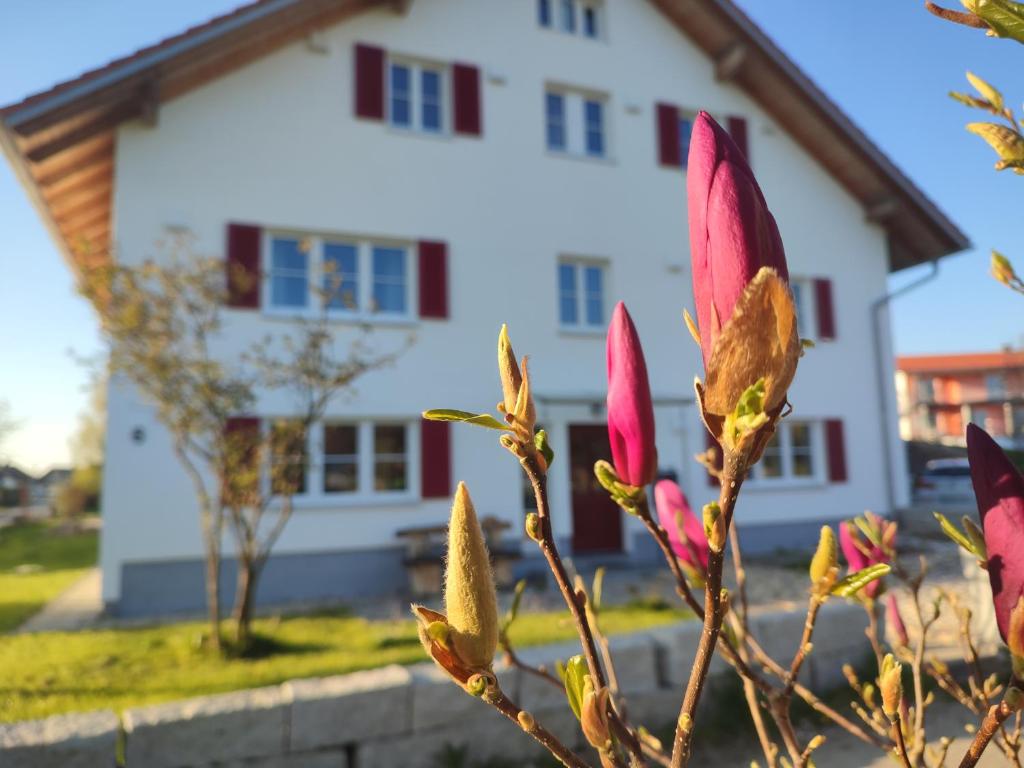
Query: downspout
pixel 883 382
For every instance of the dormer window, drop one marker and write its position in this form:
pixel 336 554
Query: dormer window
pixel 573 17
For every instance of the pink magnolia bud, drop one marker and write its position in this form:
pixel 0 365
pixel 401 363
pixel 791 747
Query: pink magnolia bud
pixel 899 629
pixel 630 411
pixel 674 512
pixel 999 490
pixel 732 232
pixel 860 552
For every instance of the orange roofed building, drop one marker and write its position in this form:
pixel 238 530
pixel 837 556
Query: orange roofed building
pixel 940 394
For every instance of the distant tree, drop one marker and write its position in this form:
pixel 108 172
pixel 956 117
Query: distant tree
pixel 163 326
pixel 7 423
pixel 87 442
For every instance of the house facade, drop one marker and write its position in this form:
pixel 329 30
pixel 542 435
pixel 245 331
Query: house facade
pixel 463 164
pixel 939 395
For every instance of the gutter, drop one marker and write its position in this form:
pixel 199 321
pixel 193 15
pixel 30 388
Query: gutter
pixel 883 382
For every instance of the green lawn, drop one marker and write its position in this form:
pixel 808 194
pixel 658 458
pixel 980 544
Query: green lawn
pixel 51 673
pixel 57 560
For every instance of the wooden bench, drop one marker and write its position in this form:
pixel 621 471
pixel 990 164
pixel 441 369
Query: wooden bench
pixel 425 552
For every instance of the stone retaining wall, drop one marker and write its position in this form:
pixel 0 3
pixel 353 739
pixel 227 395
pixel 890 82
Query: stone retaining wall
pixel 402 717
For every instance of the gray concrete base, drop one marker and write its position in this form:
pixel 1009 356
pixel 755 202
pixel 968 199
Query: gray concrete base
pixel 177 587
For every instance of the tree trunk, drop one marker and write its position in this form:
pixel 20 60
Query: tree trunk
pixel 213 595
pixel 245 599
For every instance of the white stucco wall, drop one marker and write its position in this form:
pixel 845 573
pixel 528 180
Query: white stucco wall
pixel 276 144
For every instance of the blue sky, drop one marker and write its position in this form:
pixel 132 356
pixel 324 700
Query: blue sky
pixel 888 64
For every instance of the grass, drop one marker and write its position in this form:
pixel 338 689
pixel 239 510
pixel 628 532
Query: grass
pixel 51 673
pixel 57 560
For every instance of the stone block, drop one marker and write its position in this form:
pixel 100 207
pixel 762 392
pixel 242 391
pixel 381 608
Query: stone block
pixel 437 702
pixel 677 648
pixel 87 740
pixel 330 759
pixel 637 662
pixel 332 711
pixel 489 735
pixel 212 729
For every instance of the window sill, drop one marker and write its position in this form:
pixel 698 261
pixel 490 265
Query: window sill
pixel 598 332
pixel 399 321
pixel 787 484
pixel 593 159
pixel 343 502
pixel 444 135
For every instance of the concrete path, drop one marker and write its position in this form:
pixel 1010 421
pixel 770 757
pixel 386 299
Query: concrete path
pixel 79 606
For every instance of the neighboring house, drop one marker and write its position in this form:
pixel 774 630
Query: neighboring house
pixel 939 395
pixel 15 487
pixel 44 489
pixel 465 163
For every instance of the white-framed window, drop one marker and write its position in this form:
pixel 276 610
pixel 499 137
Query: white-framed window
pixel 417 94
pixel 806 306
pixel 573 17
pixel 794 455
pixel 925 389
pixel 576 122
pixel 355 277
pixel 995 385
pixel 344 460
pixel 581 294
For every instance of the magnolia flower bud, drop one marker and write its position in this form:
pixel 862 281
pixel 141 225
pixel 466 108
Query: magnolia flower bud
pixel 630 410
pixel 508 370
pixel 999 490
pixel 470 599
pixel 732 232
pixel 890 681
pixel 899 629
pixel 826 558
pixel 1002 270
pixel 685 532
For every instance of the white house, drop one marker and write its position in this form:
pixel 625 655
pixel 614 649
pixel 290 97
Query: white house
pixel 466 163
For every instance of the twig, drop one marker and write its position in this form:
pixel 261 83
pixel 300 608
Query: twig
pixel 996 716
pixel 957 17
pixel 731 480
pixel 498 700
pixel 901 746
pixel 547 546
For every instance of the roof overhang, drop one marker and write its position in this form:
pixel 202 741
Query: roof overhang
pixel 61 142
pixel 917 230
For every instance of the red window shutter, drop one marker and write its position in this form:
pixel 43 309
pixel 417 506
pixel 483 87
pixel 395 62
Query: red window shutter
pixel 738 131
pixel 669 148
pixel 836 446
pixel 243 266
pixel 435 460
pixel 369 87
pixel 467 105
pixel 826 311
pixel 433 274
pixel 712 443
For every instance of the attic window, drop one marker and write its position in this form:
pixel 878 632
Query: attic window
pixel 573 17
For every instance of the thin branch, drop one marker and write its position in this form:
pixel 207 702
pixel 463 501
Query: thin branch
pixel 996 716
pixel 503 704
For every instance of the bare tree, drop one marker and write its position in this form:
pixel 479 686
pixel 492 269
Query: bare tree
pixel 163 326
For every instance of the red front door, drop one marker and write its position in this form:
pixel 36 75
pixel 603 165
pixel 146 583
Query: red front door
pixel 596 519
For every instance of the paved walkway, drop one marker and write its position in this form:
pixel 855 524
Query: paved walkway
pixel 77 607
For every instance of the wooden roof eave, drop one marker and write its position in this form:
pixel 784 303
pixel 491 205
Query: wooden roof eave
pixel 28 182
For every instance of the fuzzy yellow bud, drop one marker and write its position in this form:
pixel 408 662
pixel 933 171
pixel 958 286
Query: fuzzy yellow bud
pixel 1002 270
pixel 714 526
pixel 470 599
pixel 533 526
pixel 890 681
pixel 826 559
pixel 508 370
pixel 526 721
pixel 594 715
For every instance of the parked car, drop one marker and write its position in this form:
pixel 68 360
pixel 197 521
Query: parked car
pixel 946 482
